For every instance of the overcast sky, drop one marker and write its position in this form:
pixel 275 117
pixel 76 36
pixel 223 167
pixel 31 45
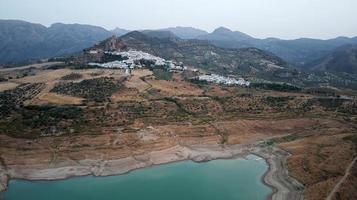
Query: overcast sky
pixel 286 19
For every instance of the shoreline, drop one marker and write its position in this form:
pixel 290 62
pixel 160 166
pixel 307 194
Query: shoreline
pixel 276 177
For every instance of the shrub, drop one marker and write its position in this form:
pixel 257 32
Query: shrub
pixel 98 89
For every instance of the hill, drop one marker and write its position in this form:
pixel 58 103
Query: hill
pixel 21 41
pixel 224 34
pixel 298 52
pixel 119 31
pixel 342 59
pixel 160 34
pixel 256 65
pixel 186 32
pixel 249 62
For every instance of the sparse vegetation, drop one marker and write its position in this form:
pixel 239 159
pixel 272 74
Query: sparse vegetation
pixel 2 79
pixel 99 89
pixel 352 138
pixel 71 77
pixel 36 121
pixel 175 108
pixel 162 74
pixel 282 87
pixel 10 100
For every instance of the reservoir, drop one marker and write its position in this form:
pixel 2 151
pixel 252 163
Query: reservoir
pixel 236 179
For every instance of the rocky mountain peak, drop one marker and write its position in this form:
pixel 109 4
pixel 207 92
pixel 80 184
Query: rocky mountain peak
pixel 111 44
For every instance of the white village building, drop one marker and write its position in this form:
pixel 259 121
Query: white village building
pixel 214 78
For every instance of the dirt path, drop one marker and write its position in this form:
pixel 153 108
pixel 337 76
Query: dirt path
pixel 337 186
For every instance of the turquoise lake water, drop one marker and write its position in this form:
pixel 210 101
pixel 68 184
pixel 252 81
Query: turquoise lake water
pixel 238 179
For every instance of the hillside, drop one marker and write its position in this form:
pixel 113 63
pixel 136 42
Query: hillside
pixel 186 32
pixel 248 62
pixel 21 41
pixel 119 31
pixel 342 59
pixel 224 34
pixel 204 55
pixel 298 52
pixel 88 121
pixel 254 64
pixel 161 34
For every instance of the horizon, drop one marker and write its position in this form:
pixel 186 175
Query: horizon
pixel 158 29
pixel 282 19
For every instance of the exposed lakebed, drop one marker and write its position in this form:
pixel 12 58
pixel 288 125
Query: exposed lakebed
pixel 232 179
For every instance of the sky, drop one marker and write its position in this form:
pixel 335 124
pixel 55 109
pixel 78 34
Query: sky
pixel 286 19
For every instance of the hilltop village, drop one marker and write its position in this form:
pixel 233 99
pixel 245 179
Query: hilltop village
pixel 132 59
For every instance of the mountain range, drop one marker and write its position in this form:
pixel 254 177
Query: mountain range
pixel 300 52
pixel 21 41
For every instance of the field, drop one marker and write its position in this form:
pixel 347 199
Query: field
pixel 7 86
pixel 59 99
pixel 175 88
pixel 136 80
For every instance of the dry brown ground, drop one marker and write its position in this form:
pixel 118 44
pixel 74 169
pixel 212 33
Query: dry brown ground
pixel 44 76
pixel 126 142
pixel 51 77
pixel 59 99
pixel 135 81
pixel 126 94
pixel 97 73
pixel 217 91
pixel 30 66
pixel 245 131
pixel 7 86
pixel 320 159
pixel 48 76
pixel 141 72
pixel 175 88
pixel 348 189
